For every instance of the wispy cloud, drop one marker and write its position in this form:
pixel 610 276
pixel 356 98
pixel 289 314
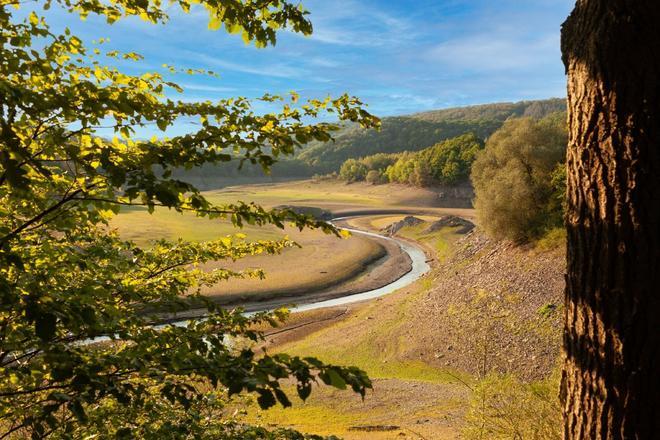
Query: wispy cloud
pixel 357 24
pixel 271 70
pixel 207 88
pixel 487 52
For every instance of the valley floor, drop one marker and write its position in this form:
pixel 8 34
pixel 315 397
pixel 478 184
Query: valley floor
pixel 486 307
pixel 468 351
pixel 329 266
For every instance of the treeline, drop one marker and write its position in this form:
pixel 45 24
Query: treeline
pixel 447 162
pixel 419 131
pixel 519 178
pixel 518 175
pixel 398 134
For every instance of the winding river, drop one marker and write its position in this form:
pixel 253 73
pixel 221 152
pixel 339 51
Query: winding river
pixel 419 268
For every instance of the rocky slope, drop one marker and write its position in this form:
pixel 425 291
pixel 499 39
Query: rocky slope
pixel 491 306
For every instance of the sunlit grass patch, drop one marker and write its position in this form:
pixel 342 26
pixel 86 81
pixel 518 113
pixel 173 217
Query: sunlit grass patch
pixel 503 407
pixel 294 192
pixel 322 261
pixel 312 416
pixel 440 241
pixel 138 225
pixel 555 238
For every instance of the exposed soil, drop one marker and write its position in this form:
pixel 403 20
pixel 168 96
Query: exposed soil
pixel 389 267
pixel 504 297
pixel 301 325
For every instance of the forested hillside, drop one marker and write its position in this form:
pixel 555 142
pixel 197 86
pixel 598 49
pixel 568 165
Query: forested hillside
pixel 398 133
pixel 446 163
pixel 421 130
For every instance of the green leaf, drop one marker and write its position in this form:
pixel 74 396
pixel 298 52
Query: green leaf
pixel 304 390
pixel 282 398
pixel 333 378
pixel 78 411
pixel 266 399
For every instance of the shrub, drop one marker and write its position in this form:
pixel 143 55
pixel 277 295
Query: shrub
pixel 516 196
pixel 374 177
pixel 554 238
pixel 379 161
pixel 502 407
pixel 353 171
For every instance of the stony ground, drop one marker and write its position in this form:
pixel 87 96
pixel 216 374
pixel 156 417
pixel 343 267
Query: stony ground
pixel 492 305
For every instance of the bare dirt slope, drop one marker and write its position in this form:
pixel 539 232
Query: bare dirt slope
pixel 492 305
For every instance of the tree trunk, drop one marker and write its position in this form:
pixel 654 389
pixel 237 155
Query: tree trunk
pixel 611 379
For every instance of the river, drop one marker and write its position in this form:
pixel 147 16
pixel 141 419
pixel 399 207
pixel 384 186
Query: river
pixel 419 268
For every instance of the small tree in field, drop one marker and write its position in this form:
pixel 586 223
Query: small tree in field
pixel 353 171
pixel 64 279
pixel 374 177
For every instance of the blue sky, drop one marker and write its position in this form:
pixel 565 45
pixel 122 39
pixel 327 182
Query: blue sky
pixel 400 56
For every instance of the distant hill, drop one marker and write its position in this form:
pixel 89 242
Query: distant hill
pixel 420 130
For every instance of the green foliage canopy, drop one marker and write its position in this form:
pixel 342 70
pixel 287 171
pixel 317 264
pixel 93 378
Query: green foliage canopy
pixel 353 170
pixel 66 279
pixel 447 163
pixel 518 178
pixel 419 131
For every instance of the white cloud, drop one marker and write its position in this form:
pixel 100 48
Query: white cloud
pixel 358 24
pixel 324 62
pixel 414 101
pixel 487 52
pixel 271 70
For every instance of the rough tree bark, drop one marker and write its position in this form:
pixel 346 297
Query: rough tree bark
pixel 611 379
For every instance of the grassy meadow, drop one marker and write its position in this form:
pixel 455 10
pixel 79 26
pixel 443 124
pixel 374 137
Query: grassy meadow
pixel 331 194
pixel 322 260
